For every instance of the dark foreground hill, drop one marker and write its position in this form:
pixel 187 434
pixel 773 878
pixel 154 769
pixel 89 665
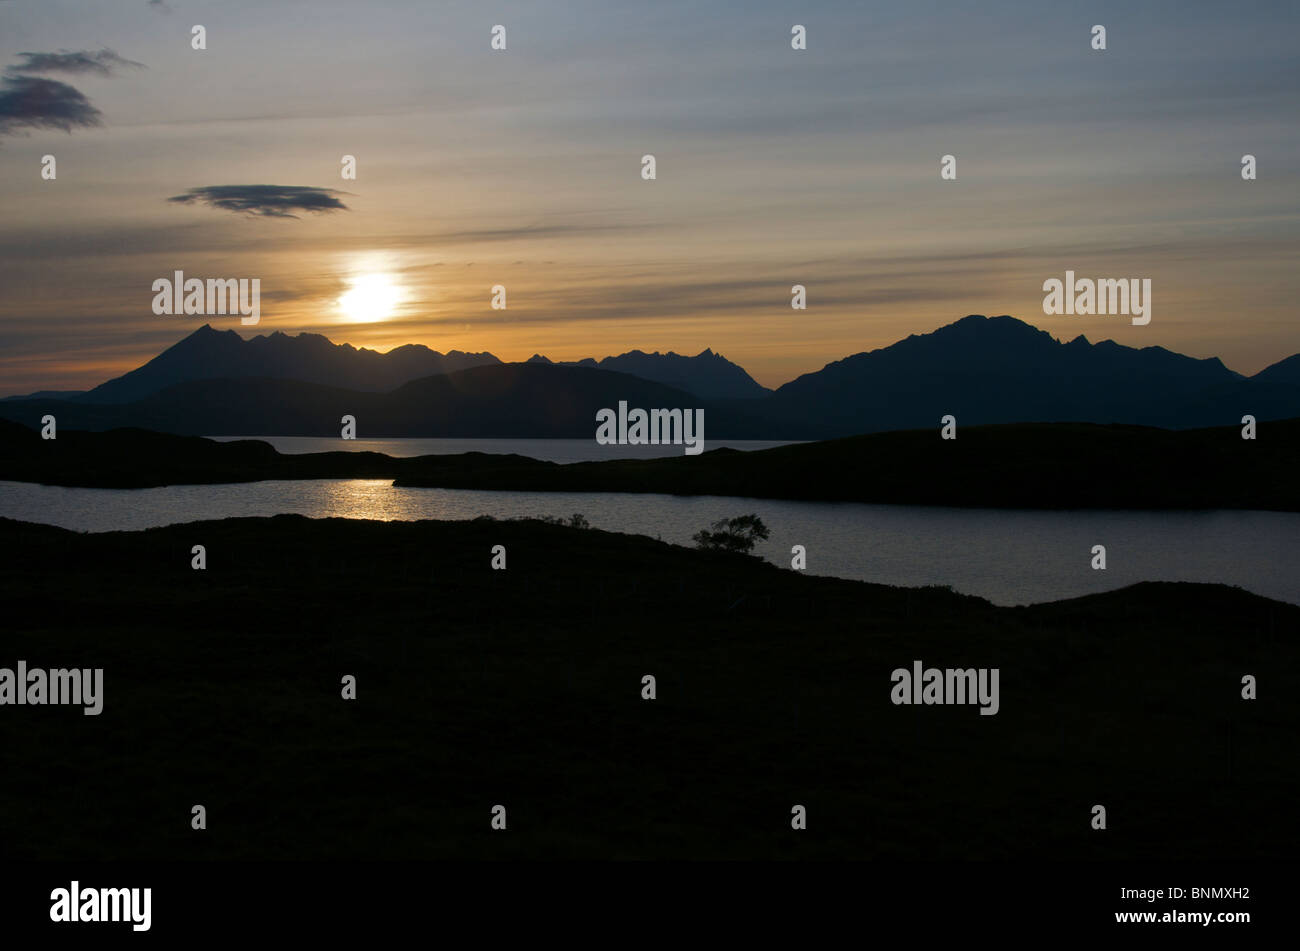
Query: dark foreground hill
pixel 1031 465
pixel 523 688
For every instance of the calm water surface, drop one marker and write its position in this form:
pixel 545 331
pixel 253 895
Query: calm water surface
pixel 1006 556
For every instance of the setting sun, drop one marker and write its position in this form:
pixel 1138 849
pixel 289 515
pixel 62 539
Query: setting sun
pixel 371 297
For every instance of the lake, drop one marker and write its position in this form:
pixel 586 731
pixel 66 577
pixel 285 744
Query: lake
pixel 1006 556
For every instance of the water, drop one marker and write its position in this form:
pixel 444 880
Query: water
pixel 547 450
pixel 1006 556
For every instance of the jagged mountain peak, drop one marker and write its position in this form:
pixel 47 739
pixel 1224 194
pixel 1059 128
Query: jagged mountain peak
pixel 208 353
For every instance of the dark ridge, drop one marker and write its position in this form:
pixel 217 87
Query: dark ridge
pixel 1031 465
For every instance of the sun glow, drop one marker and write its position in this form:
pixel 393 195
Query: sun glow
pixel 371 297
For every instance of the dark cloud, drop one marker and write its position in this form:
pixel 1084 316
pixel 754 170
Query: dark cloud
pixel 103 62
pixel 267 201
pixel 43 104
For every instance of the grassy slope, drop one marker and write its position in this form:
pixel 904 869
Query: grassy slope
pixel 522 687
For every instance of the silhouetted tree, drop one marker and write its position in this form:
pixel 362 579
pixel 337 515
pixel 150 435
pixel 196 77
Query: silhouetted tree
pixel 738 534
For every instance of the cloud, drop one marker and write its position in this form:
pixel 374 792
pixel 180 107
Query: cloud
pixel 266 201
pixel 103 62
pixel 43 103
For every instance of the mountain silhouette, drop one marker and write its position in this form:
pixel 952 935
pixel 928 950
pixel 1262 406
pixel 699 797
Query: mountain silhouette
pixel 209 354
pixel 1001 370
pixel 1285 372
pixel 982 370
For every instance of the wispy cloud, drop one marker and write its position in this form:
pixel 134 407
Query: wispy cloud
pixel 265 201
pixel 103 62
pixel 43 103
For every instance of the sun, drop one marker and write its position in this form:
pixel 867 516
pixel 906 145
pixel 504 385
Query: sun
pixel 370 297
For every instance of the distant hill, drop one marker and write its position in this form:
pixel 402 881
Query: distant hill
pixel 708 375
pixel 209 354
pixel 1001 370
pixel 508 400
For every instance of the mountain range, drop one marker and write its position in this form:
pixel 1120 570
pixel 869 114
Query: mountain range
pixel 1003 370
pixel 209 354
pixel 979 369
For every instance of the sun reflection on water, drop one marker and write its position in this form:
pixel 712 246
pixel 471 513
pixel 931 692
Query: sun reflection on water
pixel 372 499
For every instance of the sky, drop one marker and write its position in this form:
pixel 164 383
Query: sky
pixel 523 167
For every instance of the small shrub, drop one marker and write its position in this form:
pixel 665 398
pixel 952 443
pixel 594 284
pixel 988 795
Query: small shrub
pixel 577 521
